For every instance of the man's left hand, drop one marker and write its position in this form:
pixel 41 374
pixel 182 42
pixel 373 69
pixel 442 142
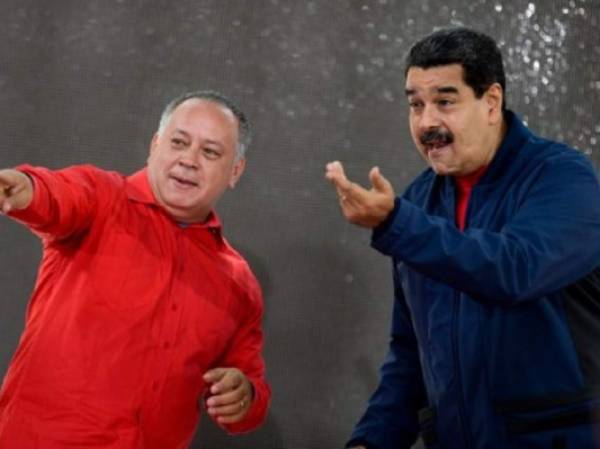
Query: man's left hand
pixel 231 394
pixel 367 208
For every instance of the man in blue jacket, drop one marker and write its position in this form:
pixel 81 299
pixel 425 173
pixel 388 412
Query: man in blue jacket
pixel 495 337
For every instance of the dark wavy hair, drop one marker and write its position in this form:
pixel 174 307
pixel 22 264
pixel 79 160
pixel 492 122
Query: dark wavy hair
pixel 476 52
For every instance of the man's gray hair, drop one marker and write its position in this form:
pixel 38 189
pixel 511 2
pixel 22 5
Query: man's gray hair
pixel 244 129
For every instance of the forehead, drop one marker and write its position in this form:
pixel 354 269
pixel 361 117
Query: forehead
pixel 203 114
pixel 434 79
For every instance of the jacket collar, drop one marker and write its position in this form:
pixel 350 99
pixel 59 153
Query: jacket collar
pixel 516 136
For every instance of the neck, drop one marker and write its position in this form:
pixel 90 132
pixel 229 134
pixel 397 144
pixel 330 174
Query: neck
pixel 496 139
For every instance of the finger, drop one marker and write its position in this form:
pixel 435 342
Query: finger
pixel 231 379
pixel 379 182
pixel 5 202
pixel 8 178
pixel 334 168
pixel 228 409
pixel 335 173
pixel 354 195
pixel 6 207
pixel 16 188
pixel 214 375
pixel 4 180
pixel 230 397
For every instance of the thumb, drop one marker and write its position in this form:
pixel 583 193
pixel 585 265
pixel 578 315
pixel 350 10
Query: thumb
pixel 6 204
pixel 379 182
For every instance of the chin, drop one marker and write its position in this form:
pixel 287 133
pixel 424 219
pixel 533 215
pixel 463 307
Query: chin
pixel 441 170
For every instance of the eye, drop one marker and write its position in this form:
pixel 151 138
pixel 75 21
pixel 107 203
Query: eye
pixel 415 105
pixel 445 102
pixel 177 143
pixel 211 153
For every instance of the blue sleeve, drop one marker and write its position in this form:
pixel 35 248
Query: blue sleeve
pixel 390 421
pixel 552 240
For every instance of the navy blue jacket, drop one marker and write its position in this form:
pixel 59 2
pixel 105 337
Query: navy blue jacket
pixel 496 329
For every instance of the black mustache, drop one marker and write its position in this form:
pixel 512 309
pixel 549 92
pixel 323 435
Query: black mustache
pixel 436 135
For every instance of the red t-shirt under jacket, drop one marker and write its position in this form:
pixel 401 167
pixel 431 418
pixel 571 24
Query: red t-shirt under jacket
pixel 130 309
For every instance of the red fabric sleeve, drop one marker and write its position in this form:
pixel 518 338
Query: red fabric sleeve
pixel 64 201
pixel 245 354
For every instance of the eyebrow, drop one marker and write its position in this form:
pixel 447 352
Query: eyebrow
pixel 181 131
pixel 447 90
pixel 437 90
pixel 215 142
pixel 208 141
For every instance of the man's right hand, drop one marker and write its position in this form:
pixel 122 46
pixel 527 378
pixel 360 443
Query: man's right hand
pixel 16 190
pixel 366 208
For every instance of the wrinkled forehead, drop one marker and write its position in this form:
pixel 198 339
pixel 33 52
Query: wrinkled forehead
pixel 204 119
pixel 437 79
pixel 204 114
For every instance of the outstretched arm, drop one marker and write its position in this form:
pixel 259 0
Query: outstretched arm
pixel 55 204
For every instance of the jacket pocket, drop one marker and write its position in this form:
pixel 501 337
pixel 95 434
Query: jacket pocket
pixel 553 422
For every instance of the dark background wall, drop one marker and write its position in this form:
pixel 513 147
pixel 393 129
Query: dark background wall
pixel 321 80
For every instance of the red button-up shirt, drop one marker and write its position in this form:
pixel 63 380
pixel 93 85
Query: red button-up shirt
pixel 130 309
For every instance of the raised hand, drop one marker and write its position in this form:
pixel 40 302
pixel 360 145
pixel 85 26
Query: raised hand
pixel 360 206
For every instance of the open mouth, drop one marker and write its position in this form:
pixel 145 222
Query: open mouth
pixel 436 139
pixel 183 182
pixel 437 144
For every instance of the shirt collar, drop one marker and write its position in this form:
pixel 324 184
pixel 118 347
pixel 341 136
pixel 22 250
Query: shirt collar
pixel 466 182
pixel 138 189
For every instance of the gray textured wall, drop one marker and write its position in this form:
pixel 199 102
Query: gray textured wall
pixel 321 80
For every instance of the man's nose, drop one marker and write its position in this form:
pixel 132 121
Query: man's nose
pixel 430 118
pixel 189 159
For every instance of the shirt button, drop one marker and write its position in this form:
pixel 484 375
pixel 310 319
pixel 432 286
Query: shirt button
pixel 155 385
pixel 173 307
pixel 166 345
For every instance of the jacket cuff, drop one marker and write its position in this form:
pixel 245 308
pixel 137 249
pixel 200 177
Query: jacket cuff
pixel 387 231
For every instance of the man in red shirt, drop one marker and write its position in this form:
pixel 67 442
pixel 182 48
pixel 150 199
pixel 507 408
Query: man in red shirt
pixel 141 307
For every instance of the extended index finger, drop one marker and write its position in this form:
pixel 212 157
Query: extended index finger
pixel 335 173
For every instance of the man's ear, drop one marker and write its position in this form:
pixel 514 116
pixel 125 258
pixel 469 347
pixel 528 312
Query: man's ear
pixel 236 172
pixel 494 97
